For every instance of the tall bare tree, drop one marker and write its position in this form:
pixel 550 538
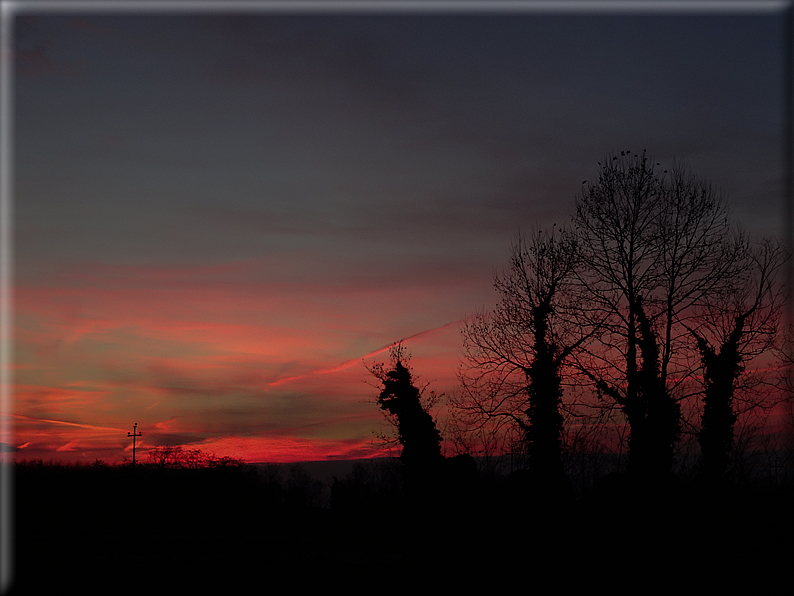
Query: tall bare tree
pixel 515 354
pixel 652 244
pixel 731 328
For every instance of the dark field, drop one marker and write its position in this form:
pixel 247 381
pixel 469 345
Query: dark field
pixel 259 529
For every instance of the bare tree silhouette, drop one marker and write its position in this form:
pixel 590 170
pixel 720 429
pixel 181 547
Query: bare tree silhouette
pixel 515 354
pixel 652 246
pixel 734 326
pixel 175 456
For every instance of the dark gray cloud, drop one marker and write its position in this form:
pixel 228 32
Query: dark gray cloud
pixel 227 137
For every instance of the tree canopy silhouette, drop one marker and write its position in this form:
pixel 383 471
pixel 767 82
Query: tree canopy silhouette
pixel 516 353
pixel 732 327
pixel 403 403
pixel 653 290
pixel 653 245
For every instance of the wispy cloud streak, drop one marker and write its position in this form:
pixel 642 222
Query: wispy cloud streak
pixel 354 361
pixel 64 423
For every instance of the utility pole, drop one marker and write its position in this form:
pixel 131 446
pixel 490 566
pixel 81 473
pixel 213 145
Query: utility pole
pixel 133 434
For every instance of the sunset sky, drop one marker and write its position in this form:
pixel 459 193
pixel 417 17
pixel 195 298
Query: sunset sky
pixel 221 217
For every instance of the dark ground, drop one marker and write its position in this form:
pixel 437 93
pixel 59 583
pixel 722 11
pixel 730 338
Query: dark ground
pixel 111 530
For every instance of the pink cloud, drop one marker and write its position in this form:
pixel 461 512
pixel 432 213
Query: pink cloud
pixel 70 446
pixel 358 361
pixel 166 424
pixel 217 347
pixel 289 449
pixel 91 427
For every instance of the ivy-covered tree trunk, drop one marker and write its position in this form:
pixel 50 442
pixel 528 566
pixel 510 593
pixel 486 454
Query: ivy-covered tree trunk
pixel 545 422
pixel 720 370
pixel 662 426
pixel 416 428
pixel 666 236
